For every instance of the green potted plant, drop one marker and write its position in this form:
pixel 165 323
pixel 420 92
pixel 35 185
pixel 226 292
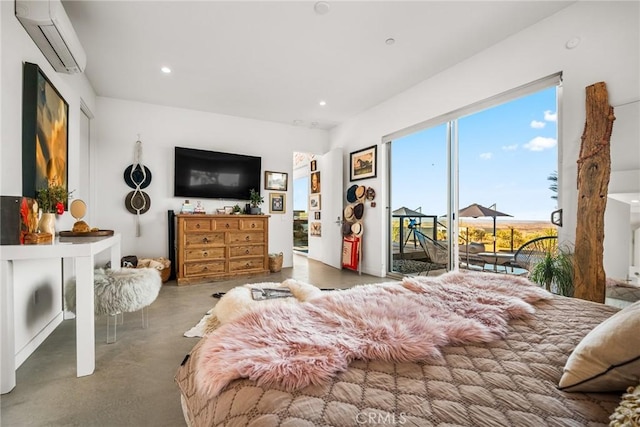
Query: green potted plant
pixel 555 272
pixel 256 200
pixel 237 210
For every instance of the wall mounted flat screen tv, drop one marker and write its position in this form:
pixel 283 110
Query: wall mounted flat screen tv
pixel 215 175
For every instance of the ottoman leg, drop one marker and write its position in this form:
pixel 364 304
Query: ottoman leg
pixel 112 325
pixel 145 317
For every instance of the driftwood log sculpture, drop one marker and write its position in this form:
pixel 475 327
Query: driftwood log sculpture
pixel 594 169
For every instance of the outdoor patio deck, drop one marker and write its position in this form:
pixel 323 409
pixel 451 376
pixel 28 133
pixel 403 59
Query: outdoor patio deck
pixel 413 260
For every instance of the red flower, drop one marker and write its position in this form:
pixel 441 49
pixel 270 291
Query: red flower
pixel 59 208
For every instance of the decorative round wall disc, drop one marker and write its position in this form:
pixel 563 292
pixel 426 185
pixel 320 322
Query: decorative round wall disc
pixel 134 177
pixel 137 202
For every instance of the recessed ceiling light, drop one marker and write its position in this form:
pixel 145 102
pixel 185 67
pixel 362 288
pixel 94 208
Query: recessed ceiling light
pixel 635 201
pixel 572 43
pixel 390 41
pixel 322 103
pixel 297 122
pixel 165 70
pixel 321 8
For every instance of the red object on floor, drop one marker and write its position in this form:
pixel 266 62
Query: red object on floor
pixel 350 252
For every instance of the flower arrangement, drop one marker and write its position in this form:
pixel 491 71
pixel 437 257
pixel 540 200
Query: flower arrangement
pixel 52 199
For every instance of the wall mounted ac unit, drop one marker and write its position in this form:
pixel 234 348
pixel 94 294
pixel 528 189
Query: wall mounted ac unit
pixel 50 28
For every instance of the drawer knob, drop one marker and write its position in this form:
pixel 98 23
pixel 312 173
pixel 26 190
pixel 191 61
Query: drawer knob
pixel 197 225
pixel 253 226
pixel 205 253
pixel 247 265
pixel 247 238
pixel 205 268
pixel 227 225
pixel 205 240
pixel 247 252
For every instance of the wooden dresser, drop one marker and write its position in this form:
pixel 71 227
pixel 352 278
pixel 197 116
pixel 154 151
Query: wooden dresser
pixel 217 247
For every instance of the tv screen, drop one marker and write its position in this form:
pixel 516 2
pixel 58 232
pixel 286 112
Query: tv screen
pixel 215 175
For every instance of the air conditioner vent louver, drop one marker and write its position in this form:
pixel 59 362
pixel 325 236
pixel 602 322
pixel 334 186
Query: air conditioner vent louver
pixel 48 25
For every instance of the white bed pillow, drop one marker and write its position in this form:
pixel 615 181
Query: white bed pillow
pixel 608 357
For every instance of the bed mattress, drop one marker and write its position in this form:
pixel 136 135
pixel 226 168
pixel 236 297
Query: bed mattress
pixel 509 382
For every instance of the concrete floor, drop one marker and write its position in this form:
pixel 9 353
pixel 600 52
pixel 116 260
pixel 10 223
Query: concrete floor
pixel 133 382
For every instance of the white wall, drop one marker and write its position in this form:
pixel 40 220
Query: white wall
pixel 17 47
pixel 617 239
pixel 625 141
pixel 38 297
pixel 161 129
pixel 609 52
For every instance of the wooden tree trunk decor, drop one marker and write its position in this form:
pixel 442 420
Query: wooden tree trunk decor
pixel 594 169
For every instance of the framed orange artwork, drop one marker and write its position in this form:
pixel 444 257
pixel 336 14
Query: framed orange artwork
pixel 45 123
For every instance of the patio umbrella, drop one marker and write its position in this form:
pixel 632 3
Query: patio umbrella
pixel 476 211
pixel 407 212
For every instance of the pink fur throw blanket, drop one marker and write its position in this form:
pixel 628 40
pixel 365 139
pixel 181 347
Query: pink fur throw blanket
pixel 295 345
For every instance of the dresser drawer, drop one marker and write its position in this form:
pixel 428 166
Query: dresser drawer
pixel 203 239
pixel 226 224
pixel 198 268
pixel 252 224
pixel 205 253
pixel 246 237
pixel 197 224
pixel 238 251
pixel 246 264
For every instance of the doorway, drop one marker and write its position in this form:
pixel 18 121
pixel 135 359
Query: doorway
pixel 301 183
pixel 300 215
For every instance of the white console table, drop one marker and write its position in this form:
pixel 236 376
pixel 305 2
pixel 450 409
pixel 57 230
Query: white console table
pixel 83 251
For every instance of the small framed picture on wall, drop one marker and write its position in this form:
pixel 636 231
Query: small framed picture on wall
pixel 275 181
pixel 316 229
pixel 314 202
pixel 363 163
pixel 314 165
pixel 315 182
pixel 277 203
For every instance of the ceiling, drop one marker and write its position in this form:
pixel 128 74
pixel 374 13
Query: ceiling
pixel 276 61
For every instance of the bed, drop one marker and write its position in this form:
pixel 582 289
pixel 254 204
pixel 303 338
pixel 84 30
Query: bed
pixel 512 381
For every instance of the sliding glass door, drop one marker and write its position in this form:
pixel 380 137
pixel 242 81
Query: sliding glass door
pixel 507 155
pixel 419 187
pixel 475 184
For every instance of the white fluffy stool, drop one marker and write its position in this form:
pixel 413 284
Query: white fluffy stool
pixel 120 291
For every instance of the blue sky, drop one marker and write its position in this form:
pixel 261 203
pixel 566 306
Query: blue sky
pixel 506 154
pixel 301 193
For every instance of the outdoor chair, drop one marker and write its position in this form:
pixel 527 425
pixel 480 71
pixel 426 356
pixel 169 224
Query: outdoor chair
pixel 533 251
pixel 437 254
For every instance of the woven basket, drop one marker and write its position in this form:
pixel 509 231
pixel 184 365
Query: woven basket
pixel 166 271
pixel 275 262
